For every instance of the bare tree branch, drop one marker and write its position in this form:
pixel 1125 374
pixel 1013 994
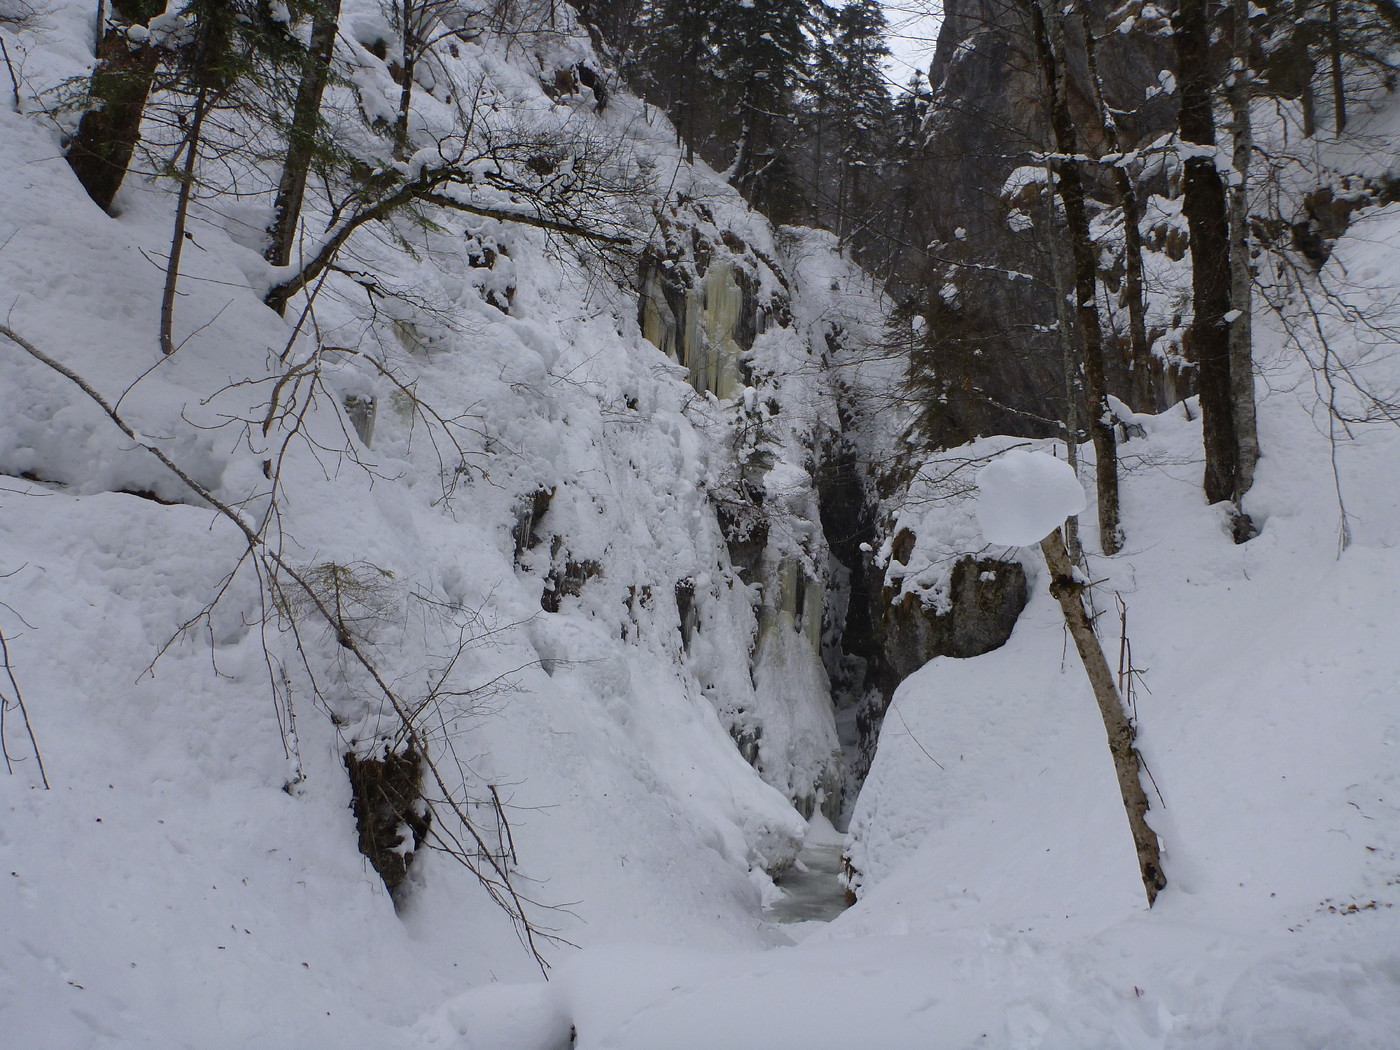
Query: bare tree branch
pixel 486 865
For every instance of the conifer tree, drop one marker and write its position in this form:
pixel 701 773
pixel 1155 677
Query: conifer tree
pixel 761 52
pixel 676 66
pixel 905 193
pixel 854 104
pixel 729 74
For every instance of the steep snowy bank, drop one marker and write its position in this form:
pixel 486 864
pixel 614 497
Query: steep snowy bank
pixel 526 513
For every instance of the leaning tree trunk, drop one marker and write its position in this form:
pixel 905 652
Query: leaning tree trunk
pixel 1127 763
pixel 1070 184
pixel 1241 279
pixel 301 140
pixel 100 151
pixel 1203 201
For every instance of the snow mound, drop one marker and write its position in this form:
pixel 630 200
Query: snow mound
pixel 1023 496
pixel 501 1017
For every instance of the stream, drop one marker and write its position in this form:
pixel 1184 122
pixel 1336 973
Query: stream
pixel 813 886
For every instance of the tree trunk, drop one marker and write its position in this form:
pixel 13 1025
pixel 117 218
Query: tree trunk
pixel 1309 103
pixel 1241 279
pixel 182 211
pixel 1140 353
pixel 301 140
pixel 1070 184
pixel 1334 46
pixel 408 12
pixel 1203 201
pixel 1127 764
pixel 100 152
pixel 1074 388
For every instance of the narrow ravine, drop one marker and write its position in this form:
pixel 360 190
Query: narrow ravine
pixel 813 887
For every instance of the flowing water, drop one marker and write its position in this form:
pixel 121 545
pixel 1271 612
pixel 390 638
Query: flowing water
pixel 814 894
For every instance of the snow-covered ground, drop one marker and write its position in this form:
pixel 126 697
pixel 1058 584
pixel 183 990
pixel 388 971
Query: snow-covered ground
pixel 191 878
pixel 1000 900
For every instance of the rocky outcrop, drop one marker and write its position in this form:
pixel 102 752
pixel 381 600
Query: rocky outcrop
pixel 1328 210
pixel 701 299
pixel 390 814
pixel 983 599
pixel 986 121
pixel 854 651
pixel 720 306
pixel 973 612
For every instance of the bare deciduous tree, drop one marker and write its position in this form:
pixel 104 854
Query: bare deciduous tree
pixel 1069 184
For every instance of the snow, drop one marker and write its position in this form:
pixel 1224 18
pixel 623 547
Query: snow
pixel 500 1017
pixel 1024 496
pixel 192 880
pixel 169 830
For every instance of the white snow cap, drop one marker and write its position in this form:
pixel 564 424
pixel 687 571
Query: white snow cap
pixel 1023 496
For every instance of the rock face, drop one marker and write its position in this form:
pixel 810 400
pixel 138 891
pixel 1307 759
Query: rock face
pixel 390 815
pixel 984 599
pixel 986 121
pixel 721 307
pixel 701 300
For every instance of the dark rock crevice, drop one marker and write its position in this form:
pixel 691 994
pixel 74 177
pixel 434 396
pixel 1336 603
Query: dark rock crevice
pixel 879 633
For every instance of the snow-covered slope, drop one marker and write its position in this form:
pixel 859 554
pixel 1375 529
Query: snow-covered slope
pixel 507 493
pixel 539 530
pixel 1000 899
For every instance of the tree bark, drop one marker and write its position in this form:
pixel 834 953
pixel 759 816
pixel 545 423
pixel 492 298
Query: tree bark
pixel 1309 104
pixel 1070 184
pixel 1334 47
pixel 1203 201
pixel 1064 328
pixel 182 211
pixel 101 149
pixel 1127 764
pixel 1241 279
pixel 301 144
pixel 411 15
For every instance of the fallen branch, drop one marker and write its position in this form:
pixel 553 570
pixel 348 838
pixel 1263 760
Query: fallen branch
pixel 427 188
pixel 14 80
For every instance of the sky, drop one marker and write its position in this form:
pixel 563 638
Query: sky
pixel 913 30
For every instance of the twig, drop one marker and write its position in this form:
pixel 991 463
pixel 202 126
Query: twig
pixel 18 701
pixel 916 740
pixel 14 80
pixel 501 818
